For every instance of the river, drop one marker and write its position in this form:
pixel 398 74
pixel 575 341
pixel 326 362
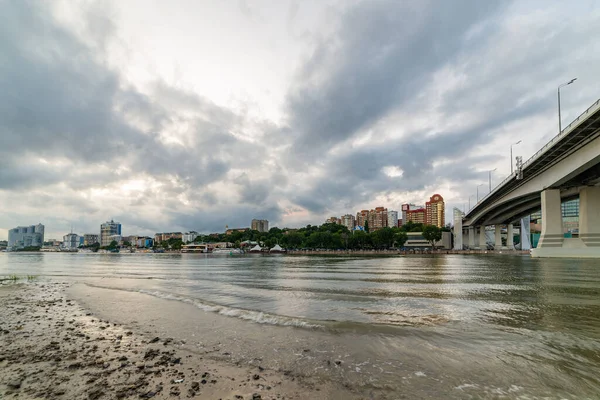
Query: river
pixel 449 326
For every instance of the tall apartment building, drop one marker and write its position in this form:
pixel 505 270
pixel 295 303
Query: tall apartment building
pixel 417 216
pixel 362 217
pixel 378 218
pixel 107 230
pixel 392 218
pixel 90 238
pixel 348 221
pixel 436 211
pixel 406 208
pixel 261 225
pixel 26 236
pixel 70 241
pixel 333 220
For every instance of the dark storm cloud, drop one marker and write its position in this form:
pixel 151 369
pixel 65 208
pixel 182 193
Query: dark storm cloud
pixel 382 55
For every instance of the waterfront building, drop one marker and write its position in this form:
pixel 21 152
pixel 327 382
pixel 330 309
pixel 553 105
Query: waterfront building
pixel 333 220
pixel 406 208
pixel 115 238
pixel 26 236
pixel 189 236
pixel 435 211
pixel 161 237
pixel 143 242
pixel 70 241
pixel 392 218
pixel 90 239
pixel 417 216
pixel 261 225
pixel 362 217
pixel 348 221
pixel 378 218
pixel 107 230
pixel 417 241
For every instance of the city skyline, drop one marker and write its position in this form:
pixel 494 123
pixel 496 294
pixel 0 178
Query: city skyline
pixel 321 109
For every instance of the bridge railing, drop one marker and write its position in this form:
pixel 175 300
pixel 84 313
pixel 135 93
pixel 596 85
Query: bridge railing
pixel 543 149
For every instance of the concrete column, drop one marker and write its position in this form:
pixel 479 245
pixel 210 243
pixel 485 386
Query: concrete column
pixel 510 236
pixel 497 237
pixel 471 237
pixel 552 228
pixel 589 216
pixel 482 238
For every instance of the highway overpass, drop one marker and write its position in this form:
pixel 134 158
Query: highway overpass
pixel 567 167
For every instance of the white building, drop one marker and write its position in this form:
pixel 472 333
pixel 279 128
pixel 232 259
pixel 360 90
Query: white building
pixel 189 236
pixel 261 225
pixel 70 241
pixel 348 221
pixel 26 236
pixel 392 218
pixel 115 238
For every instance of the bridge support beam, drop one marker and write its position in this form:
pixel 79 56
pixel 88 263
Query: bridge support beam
pixel 510 237
pixel 497 237
pixel 589 216
pixel 471 237
pixel 482 238
pixel 552 228
pixel 553 244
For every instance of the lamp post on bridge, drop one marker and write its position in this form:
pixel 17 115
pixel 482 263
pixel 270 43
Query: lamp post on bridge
pixel 559 119
pixel 511 159
pixel 490 180
pixel 470 202
pixel 481 184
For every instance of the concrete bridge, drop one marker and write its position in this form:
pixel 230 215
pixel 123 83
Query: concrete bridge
pixel 567 167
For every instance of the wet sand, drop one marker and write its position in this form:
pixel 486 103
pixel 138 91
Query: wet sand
pixel 51 346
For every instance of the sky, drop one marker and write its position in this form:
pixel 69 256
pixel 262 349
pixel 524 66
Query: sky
pixel 196 115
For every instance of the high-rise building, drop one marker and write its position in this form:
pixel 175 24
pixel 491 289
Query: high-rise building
pixel 261 225
pixel 70 241
pixel 378 218
pixel 362 217
pixel 348 221
pixel 332 220
pixel 26 236
pixel 161 237
pixel 436 211
pixel 407 207
pixel 90 238
pixel 392 218
pixel 107 230
pixel 417 216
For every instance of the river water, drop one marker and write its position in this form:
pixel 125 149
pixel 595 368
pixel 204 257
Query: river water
pixel 425 327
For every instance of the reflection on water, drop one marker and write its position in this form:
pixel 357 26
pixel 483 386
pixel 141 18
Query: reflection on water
pixel 535 318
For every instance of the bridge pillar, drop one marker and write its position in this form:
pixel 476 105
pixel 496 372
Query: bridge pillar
pixel 552 227
pixel 497 237
pixel 471 237
pixel 482 238
pixel 510 237
pixel 589 216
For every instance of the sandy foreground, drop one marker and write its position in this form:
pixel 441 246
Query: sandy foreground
pixel 51 347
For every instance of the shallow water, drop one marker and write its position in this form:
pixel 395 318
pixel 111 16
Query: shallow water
pixel 464 326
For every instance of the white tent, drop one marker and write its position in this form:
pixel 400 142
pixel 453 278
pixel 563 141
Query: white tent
pixel 277 248
pixel 256 248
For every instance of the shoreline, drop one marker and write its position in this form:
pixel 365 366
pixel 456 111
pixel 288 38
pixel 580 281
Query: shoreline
pixel 52 347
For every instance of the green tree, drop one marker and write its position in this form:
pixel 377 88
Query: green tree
pixel 126 244
pixel 367 226
pixel 113 245
pixel 294 239
pixel 400 238
pixel 432 234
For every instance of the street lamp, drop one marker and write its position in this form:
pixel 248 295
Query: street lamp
pixel 481 184
pixel 511 159
pixel 490 171
pixel 559 120
pixel 470 202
